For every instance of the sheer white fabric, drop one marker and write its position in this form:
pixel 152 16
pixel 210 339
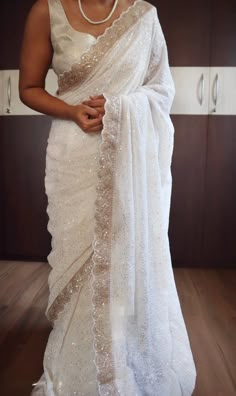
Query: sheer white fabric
pixel 118 325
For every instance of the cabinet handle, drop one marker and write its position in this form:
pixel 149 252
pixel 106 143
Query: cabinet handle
pixel 9 95
pixel 215 91
pixel 201 89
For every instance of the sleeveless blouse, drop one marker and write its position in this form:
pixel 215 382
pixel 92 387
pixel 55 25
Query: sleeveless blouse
pixel 68 43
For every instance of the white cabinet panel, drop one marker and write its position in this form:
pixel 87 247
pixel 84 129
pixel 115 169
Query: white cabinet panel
pixel 1 92
pixel 192 84
pixel 11 103
pixel 192 90
pixel 222 95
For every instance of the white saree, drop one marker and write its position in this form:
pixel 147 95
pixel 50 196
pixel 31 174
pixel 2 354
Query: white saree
pixel 118 327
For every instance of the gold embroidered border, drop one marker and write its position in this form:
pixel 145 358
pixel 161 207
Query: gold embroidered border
pixel 82 69
pixel 101 258
pixel 74 285
pixel 104 362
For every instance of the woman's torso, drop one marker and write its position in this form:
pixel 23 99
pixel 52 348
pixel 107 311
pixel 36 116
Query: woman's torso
pixel 69 42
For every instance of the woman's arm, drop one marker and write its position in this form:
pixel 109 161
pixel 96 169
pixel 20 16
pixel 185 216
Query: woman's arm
pixel 35 60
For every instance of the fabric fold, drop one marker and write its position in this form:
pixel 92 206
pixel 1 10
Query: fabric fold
pixel 140 262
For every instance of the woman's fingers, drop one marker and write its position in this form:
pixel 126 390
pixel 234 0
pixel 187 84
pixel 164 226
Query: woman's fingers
pixel 87 124
pixel 90 111
pixel 100 110
pixel 95 103
pixel 98 128
pixel 92 114
pixel 88 118
pixel 97 97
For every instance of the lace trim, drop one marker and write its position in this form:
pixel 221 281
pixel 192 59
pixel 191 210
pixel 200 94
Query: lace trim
pixel 74 285
pixel 102 251
pixel 81 70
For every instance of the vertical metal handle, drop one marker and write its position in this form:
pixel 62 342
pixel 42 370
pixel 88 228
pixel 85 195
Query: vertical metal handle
pixel 201 89
pixel 9 95
pixel 215 91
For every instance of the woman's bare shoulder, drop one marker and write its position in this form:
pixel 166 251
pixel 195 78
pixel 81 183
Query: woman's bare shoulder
pixel 40 11
pixel 38 17
pixel 41 7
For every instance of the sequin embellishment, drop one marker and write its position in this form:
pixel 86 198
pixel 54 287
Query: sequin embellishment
pixel 83 69
pixel 102 250
pixel 75 284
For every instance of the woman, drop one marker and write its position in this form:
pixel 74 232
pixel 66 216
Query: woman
pixel 118 328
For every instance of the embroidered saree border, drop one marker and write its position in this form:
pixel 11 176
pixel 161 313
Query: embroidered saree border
pixel 74 285
pixel 99 266
pixel 101 257
pixel 81 70
pixel 78 73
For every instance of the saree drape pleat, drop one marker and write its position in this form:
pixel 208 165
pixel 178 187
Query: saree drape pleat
pixel 118 324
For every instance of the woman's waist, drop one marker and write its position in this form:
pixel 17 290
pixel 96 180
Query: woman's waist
pixel 66 138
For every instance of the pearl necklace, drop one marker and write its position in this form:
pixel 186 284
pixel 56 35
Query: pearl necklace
pixel 98 22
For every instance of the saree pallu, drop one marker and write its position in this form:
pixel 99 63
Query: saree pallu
pixel 118 327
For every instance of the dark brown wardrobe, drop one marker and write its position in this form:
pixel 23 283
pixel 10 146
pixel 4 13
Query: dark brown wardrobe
pixel 201 39
pixel 23 140
pixel 202 36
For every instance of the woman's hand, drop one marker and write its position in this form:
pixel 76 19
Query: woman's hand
pixel 97 103
pixel 88 118
pixel 88 115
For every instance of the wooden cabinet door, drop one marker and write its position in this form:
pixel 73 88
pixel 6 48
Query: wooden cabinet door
pixel 219 234
pixel 23 140
pixel 12 19
pixel 186 25
pixel 188 181
pixel 223 33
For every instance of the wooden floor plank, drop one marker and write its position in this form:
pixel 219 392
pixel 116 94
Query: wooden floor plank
pixel 208 301
pixel 211 328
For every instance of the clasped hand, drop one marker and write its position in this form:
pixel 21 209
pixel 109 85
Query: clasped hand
pixel 89 114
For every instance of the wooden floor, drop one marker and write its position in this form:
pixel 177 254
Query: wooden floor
pixel 208 300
